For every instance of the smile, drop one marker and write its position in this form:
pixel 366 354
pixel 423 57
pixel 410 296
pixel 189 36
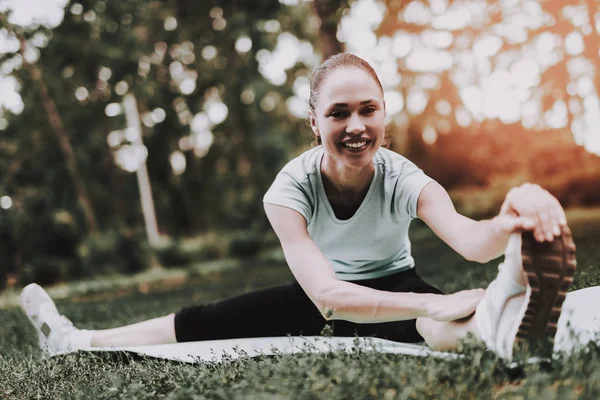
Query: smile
pixel 355 145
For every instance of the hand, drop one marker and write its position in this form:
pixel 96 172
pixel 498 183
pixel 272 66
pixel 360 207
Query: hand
pixel 455 306
pixel 531 208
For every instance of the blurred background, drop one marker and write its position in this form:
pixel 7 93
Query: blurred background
pixel 139 135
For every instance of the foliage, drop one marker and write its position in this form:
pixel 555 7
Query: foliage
pixel 51 238
pixel 183 60
pixel 104 46
pixel 172 255
pixel 7 248
pixel 509 92
pixel 246 244
pixel 177 253
pixel 123 251
pixel 102 50
pixel 485 53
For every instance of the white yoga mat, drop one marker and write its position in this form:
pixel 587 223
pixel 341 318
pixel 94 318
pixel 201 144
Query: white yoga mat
pixel 219 350
pixel 578 325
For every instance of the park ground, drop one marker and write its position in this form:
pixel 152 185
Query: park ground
pixel 358 374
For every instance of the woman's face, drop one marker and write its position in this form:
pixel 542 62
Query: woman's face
pixel 349 116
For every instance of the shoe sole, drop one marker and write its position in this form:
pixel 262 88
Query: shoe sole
pixel 549 267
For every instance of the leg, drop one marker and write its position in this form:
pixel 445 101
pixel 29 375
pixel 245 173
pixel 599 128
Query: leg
pixel 57 335
pixel 443 336
pixel 523 304
pixel 276 311
pixel 159 330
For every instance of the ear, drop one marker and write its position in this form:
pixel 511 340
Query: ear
pixel 384 109
pixel 313 123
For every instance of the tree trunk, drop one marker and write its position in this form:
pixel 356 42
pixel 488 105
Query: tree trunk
pixel 326 11
pixel 595 40
pixel 133 122
pixel 57 127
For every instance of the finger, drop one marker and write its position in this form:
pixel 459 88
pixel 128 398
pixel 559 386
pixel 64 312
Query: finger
pixel 529 209
pixel 547 209
pixel 515 224
pixel 546 219
pixel 563 217
pixel 553 210
pixel 538 231
pixel 559 212
pixel 528 223
pixel 511 224
pixel 542 200
pixel 555 215
pixel 556 224
pixel 552 207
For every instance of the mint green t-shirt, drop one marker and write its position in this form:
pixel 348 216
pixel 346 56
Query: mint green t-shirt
pixel 374 242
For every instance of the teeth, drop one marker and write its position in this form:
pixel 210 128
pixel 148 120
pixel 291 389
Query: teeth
pixel 355 145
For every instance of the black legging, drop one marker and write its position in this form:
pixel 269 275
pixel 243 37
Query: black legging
pixel 287 310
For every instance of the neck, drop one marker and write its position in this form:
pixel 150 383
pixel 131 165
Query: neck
pixel 343 179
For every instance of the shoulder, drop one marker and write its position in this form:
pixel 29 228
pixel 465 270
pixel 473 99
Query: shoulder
pixel 393 164
pixel 403 182
pixel 294 185
pixel 304 165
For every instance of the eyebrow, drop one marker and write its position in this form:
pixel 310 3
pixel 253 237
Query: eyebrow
pixel 346 104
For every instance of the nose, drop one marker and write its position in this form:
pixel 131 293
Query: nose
pixel 355 125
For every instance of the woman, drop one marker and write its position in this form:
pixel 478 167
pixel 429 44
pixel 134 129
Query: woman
pixel 341 211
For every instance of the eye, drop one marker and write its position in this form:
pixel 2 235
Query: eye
pixel 369 110
pixel 337 114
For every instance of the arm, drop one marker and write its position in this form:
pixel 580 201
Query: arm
pixel 478 241
pixel 337 299
pixel 526 207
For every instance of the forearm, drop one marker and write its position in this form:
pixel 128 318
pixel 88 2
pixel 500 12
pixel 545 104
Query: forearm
pixel 478 241
pixel 351 302
pixel 337 299
pixel 482 241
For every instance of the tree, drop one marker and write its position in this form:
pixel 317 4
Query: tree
pixel 544 50
pixel 329 12
pixel 216 125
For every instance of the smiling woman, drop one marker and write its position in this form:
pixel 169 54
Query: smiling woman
pixel 342 211
pixel 349 121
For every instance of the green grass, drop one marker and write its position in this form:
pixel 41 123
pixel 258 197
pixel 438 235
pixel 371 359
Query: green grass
pixel 360 374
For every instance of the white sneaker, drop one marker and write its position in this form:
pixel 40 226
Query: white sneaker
pixel 56 333
pixel 511 315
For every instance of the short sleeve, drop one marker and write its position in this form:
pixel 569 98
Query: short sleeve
pixel 286 191
pixel 409 185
